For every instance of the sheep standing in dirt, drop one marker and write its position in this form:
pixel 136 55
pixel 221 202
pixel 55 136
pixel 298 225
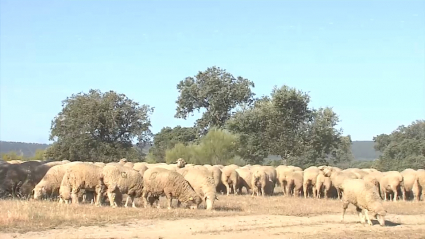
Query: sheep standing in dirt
pixel 337 177
pixel 121 180
pixel 259 182
pixel 162 182
pixel 35 176
pixel 202 181
pixel 219 186
pixel 245 176
pixel 323 185
pixel 309 183
pixel 230 179
pixel 411 184
pixel 294 184
pixel 365 197
pixel 390 183
pixel 81 176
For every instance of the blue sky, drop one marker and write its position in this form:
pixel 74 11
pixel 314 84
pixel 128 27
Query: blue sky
pixel 366 59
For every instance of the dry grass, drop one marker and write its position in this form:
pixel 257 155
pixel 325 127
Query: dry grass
pixel 23 216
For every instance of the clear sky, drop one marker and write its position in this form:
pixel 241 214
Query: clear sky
pixel 366 59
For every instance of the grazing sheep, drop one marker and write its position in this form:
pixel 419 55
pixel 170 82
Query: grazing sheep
pixel 162 182
pixel 202 181
pixel 245 176
pixel 259 181
pixel 309 183
pixel 81 176
pixel 411 184
pixel 49 185
pixel 337 177
pixel 121 180
pixel 180 163
pixel 35 176
pixel 294 183
pixel 230 179
pixel 421 181
pixel 390 183
pixel 219 186
pixel 323 185
pixel 271 172
pixel 364 197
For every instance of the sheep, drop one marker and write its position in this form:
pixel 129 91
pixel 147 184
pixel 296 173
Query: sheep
pixel 35 176
pixel 81 176
pixel 294 183
pixel 49 185
pixel 421 181
pixel 180 163
pixel 119 179
pixel 323 184
pixel 140 167
pixel 259 181
pixel 358 172
pixel 337 177
pixel 202 181
pixel 129 165
pixel 390 182
pixel 162 182
pixel 411 183
pixel 230 179
pixel 100 164
pixel 309 180
pixel 365 197
pixel 271 172
pixel 216 171
pixel 245 176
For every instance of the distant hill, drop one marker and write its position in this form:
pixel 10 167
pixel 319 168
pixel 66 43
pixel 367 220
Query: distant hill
pixel 28 149
pixel 362 150
pixel 25 149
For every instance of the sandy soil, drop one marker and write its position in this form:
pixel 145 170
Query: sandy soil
pixel 243 227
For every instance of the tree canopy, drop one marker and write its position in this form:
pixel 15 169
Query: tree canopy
pixel 215 91
pixel 403 148
pixel 99 126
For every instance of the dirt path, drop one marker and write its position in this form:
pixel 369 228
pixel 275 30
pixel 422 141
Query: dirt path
pixel 244 227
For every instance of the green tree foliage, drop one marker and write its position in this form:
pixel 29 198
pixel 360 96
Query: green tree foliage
pixel 283 124
pixel 167 138
pixel 216 147
pixel 99 126
pixel 11 156
pixel 215 91
pixel 403 148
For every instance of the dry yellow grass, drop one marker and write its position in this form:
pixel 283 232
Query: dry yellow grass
pixel 23 216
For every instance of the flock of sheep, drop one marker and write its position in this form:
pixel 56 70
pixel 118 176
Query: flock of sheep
pixel 192 185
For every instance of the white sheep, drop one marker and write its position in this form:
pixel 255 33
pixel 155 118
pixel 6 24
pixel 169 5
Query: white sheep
pixel 121 180
pixel 162 182
pixel 365 197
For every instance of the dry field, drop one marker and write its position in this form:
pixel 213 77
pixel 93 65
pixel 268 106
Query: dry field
pixel 234 217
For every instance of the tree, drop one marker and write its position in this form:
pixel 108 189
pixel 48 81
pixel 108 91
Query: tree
pixel 284 124
pixel 403 148
pixel 215 91
pixel 216 147
pixel 168 137
pixel 11 156
pixel 98 126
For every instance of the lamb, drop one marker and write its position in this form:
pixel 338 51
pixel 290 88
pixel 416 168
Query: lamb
pixel 230 179
pixel 259 181
pixel 81 176
pixel 202 181
pixel 162 182
pixel 365 197
pixel 49 185
pixel 119 179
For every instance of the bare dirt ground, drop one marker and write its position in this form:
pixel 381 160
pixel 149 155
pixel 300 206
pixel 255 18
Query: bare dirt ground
pixel 236 217
pixel 243 227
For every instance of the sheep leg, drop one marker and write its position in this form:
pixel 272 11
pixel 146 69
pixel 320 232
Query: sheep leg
pixel 344 208
pixel 227 188
pixel 360 213
pixel 395 191
pixel 133 202
pixel 305 187
pixel 366 212
pixel 234 189
pixel 145 199
pixel 262 191
pixel 111 197
pixel 169 199
pixel 126 201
